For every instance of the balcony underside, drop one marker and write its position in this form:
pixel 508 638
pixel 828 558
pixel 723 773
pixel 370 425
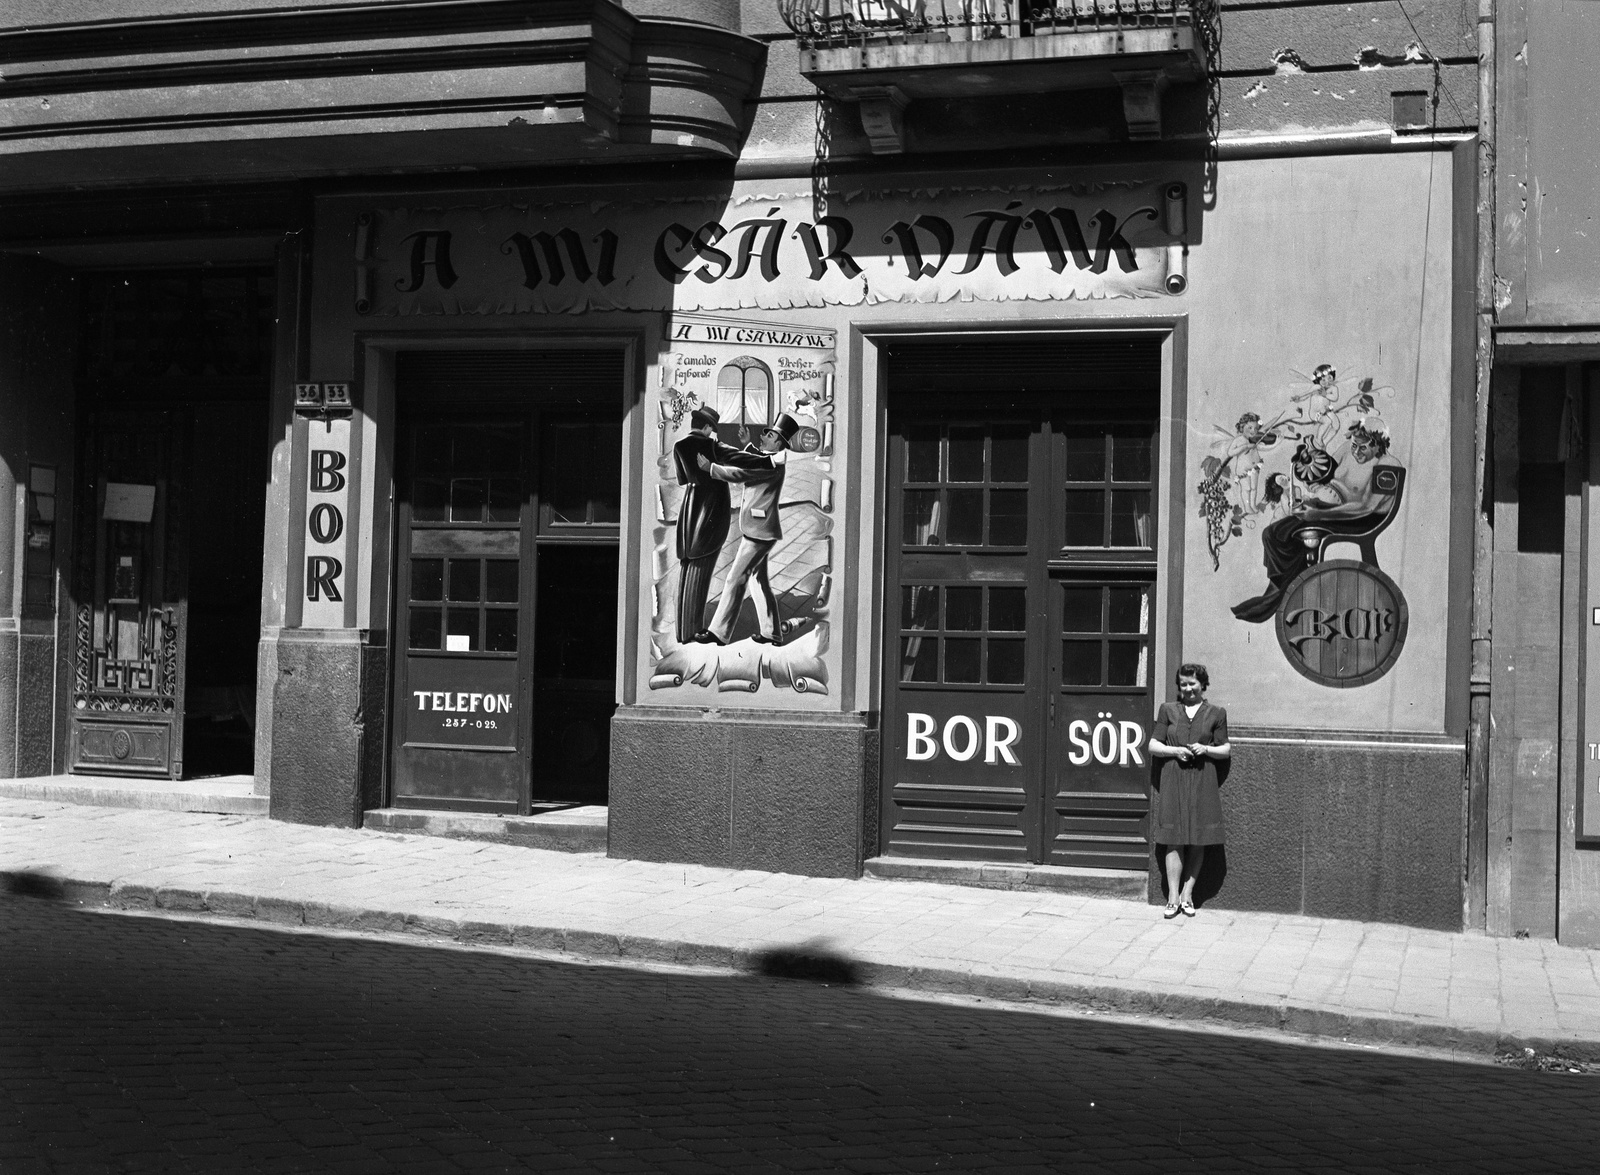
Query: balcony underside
pixel 886 77
pixel 274 96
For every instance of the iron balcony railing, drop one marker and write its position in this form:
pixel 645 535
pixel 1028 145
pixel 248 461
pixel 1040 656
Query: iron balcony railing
pixel 835 24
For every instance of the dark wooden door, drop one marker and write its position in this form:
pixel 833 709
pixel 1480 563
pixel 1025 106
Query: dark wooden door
pixel 1102 600
pixel 464 648
pixel 505 609
pixel 1018 643
pixel 129 596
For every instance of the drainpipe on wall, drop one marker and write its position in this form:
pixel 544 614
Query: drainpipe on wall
pixel 1474 859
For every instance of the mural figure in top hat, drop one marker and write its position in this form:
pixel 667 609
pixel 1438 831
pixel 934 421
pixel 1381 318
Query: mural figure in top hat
pixel 759 532
pixel 704 514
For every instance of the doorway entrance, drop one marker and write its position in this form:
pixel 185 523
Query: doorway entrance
pixel 508 524
pixel 1021 566
pixel 172 476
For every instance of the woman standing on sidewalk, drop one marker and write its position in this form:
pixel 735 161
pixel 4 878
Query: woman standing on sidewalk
pixel 1191 735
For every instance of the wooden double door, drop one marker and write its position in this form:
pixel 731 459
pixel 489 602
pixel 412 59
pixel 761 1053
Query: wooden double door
pixel 1019 632
pixel 505 609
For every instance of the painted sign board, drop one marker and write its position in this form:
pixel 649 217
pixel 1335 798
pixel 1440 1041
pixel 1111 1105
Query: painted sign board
pixel 1587 816
pixel 779 250
pixel 743 544
pixel 462 702
pixel 326 580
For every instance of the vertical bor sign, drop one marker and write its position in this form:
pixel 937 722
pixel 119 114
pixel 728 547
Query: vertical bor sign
pixel 326 580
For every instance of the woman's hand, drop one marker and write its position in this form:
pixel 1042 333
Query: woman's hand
pixel 1197 750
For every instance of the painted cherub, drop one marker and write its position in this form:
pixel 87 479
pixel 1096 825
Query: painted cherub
pixel 1241 459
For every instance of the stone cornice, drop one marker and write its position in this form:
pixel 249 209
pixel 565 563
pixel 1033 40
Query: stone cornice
pixel 359 88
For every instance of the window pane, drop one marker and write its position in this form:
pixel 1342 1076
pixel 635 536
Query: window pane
pixel 965 528
pixel 922 455
pixel 1125 663
pixel 432 452
pixel 563 481
pixel 500 630
pixel 605 472
pixel 505 449
pixel 1130 458
pixel 1008 455
pixel 423 629
pixel 919 658
pixel 429 499
pixel 505 499
pixel 464 579
pixel 1008 609
pixel 966 454
pixel 1008 518
pixel 919 607
pixel 501 581
pixel 472 450
pixel 1131 523
pixel 461 630
pixel 1086 457
pixel 1080 609
pixel 1086 518
pixel 962 660
pixel 467 496
pixel 1080 662
pixel 427 579
pixel 922 522
pixel 1007 662
pixel 963 609
pixel 1129 610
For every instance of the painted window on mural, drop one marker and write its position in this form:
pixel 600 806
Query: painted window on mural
pixel 744 399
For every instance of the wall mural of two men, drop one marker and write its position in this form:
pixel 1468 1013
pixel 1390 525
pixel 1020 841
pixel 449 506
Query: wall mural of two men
pixel 743 545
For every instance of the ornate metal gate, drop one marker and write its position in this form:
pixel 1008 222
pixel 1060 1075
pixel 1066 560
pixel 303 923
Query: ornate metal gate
pixel 129 593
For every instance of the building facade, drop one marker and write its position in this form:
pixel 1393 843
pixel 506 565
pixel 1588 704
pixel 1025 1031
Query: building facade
pixel 1535 813
pixel 815 431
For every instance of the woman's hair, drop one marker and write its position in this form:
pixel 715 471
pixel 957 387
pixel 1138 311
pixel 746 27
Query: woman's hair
pixel 1195 670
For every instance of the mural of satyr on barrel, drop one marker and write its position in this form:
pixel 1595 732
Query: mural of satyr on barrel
pixel 743 544
pixel 1313 473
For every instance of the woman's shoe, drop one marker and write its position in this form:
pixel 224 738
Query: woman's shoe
pixel 1187 906
pixel 1171 911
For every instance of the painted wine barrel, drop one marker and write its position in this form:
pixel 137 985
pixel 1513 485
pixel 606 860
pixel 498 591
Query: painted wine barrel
pixel 1342 623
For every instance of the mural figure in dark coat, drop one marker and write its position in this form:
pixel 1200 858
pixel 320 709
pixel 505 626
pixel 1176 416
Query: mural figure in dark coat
pixel 704 513
pixel 759 532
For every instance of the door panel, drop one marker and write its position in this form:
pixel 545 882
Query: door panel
pixel 963 640
pixel 130 596
pixel 1018 646
pixel 464 602
pixel 1101 772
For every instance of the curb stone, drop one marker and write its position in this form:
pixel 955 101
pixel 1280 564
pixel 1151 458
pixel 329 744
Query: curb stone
pixel 1276 1015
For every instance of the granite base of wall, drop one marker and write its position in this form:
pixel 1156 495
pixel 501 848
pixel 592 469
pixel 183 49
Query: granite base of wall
pixel 1342 830
pixel 763 790
pixel 320 727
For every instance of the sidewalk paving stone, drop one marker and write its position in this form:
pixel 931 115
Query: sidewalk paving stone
pixel 1301 974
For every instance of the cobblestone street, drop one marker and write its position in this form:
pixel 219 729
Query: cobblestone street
pixel 146 1044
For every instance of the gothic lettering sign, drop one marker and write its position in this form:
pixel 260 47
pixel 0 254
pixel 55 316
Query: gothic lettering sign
pixel 778 251
pixel 1342 623
pixel 327 509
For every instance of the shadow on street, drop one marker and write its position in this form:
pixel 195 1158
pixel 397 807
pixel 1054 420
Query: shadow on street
pixel 130 1044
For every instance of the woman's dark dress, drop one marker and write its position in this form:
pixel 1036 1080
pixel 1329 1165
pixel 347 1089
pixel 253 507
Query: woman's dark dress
pixel 1188 804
